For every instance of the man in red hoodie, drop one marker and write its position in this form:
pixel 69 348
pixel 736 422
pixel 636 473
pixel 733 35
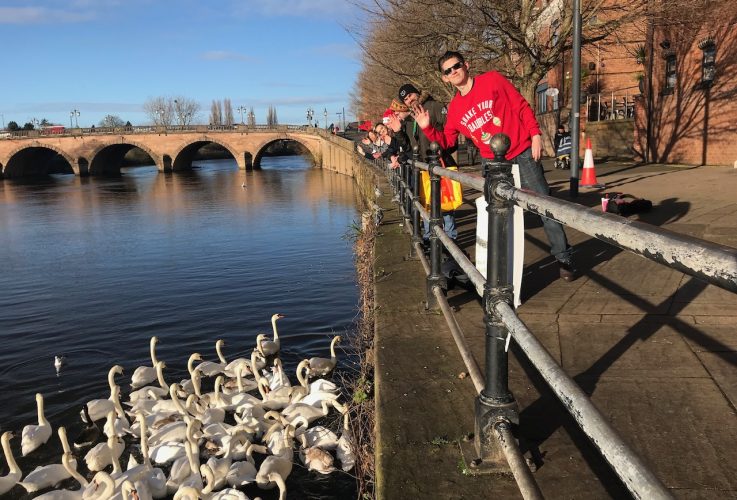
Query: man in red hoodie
pixel 484 106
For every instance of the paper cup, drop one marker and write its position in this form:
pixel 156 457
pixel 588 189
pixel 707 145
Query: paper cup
pixel 604 203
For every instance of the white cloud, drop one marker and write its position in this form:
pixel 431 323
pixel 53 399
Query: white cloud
pixel 42 15
pixel 300 8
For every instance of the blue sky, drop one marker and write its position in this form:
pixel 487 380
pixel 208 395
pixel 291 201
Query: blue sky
pixel 109 56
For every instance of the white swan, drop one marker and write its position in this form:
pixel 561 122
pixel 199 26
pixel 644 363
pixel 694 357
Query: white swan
pixel 152 391
pixel 345 451
pixel 146 374
pixel 244 472
pixel 186 384
pixel 8 481
pixel 185 469
pixel 48 475
pixel 71 466
pixel 281 464
pixel 210 368
pixel 269 348
pixel 321 367
pixel 278 378
pixel 34 436
pixel 309 412
pixel 100 456
pixel 278 480
pixel 99 408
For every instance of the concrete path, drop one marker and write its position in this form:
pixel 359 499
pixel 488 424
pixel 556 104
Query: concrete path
pixel 655 349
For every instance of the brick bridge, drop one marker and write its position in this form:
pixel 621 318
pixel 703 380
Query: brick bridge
pixel 101 151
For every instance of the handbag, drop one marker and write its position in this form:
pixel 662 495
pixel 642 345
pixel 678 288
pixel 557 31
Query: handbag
pixel 451 192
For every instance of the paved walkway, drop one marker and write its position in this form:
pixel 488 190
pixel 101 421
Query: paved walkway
pixel 656 349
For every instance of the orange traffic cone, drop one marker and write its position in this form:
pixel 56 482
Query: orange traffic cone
pixel 588 179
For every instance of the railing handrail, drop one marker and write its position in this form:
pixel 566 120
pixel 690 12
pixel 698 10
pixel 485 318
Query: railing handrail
pixel 154 129
pixel 705 260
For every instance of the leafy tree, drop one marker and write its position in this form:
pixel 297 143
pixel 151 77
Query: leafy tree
pixel 111 121
pixel 228 110
pixel 13 126
pixel 216 113
pixel 28 126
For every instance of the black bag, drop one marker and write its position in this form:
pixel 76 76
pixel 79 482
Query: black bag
pixel 626 204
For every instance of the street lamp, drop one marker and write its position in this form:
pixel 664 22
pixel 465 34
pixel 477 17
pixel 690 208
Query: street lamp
pixel 325 114
pixel 341 121
pixel 178 111
pixel 241 109
pixel 74 113
pixel 310 114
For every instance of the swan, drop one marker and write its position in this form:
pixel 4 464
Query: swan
pixel 345 451
pixel 150 480
pixel 322 367
pixel 34 436
pixel 273 400
pixel 309 412
pixel 152 391
pixel 186 384
pixel 315 392
pixel 100 456
pixel 319 435
pixel 185 469
pixel 71 466
pixel 117 425
pixel 210 368
pixel 241 384
pixel 49 475
pixel 171 450
pixel 317 459
pixel 7 482
pixel 133 491
pixel 144 375
pixel 278 480
pixel 281 464
pixel 102 487
pixel 278 378
pixel 99 408
pixel 269 348
pixel 244 472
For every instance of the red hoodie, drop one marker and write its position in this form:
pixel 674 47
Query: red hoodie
pixel 493 105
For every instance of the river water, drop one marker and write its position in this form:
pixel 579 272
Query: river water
pixel 93 267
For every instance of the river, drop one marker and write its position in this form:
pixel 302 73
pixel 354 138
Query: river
pixel 93 267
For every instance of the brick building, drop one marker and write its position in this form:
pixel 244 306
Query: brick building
pixel 690 65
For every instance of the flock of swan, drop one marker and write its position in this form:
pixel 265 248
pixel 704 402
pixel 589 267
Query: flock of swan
pixel 194 444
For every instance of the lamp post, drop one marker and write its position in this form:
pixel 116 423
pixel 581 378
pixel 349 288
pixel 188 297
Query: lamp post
pixel 74 113
pixel 241 110
pixel 35 122
pixel 325 114
pixel 178 111
pixel 251 118
pixel 341 121
pixel 310 114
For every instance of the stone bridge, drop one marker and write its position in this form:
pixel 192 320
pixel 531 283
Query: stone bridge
pixel 101 151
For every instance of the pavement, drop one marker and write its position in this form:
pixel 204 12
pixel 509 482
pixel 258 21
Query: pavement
pixel 655 349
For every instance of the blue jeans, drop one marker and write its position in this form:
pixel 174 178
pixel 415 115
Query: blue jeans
pixel 449 226
pixel 532 177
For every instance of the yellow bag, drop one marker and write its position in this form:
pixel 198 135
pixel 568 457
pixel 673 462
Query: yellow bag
pixel 451 192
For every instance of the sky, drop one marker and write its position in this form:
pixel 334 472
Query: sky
pixel 108 57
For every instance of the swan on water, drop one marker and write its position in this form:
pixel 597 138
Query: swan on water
pixel 43 477
pixel 244 471
pixel 71 466
pixel 8 481
pixel 98 408
pixel 34 436
pixel 90 434
pixel 144 375
pixel 321 367
pixel 345 451
pixel 210 368
pixel 152 391
pixel 100 456
pixel 269 348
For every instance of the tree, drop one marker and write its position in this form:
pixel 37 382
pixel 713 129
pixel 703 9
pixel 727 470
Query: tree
pixel 13 126
pixel 185 110
pixel 111 121
pixel 271 118
pixel 228 110
pixel 159 110
pixel 28 126
pixel 251 118
pixel 216 113
pixel 522 39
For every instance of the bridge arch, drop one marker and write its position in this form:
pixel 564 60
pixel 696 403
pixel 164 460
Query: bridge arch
pixel 261 147
pixel 38 159
pixel 107 159
pixel 182 157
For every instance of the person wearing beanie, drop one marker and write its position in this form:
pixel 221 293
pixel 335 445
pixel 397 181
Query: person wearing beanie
pixel 410 96
pixel 484 106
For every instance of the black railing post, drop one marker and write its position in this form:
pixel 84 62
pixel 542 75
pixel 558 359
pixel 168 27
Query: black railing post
pixel 495 403
pixel 407 197
pixel 435 279
pixel 414 175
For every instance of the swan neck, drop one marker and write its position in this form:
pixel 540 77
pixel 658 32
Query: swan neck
pixel 64 441
pixel 66 461
pixel 160 376
pixel 9 458
pixel 219 350
pixel 40 407
pixel 332 348
pixel 152 349
pixel 273 328
pixel 301 368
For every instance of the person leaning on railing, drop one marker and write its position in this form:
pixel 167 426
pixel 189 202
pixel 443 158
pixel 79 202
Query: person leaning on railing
pixel 484 106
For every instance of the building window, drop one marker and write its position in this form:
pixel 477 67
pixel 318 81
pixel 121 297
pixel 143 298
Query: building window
pixel 542 98
pixel 670 74
pixel 708 64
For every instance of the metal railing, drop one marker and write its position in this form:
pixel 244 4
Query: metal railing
pixel 616 105
pixel 496 409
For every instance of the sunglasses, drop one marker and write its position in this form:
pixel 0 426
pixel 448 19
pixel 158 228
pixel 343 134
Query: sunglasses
pixel 456 66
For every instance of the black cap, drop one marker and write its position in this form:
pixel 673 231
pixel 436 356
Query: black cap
pixel 406 90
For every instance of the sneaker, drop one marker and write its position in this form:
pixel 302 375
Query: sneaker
pixel 567 271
